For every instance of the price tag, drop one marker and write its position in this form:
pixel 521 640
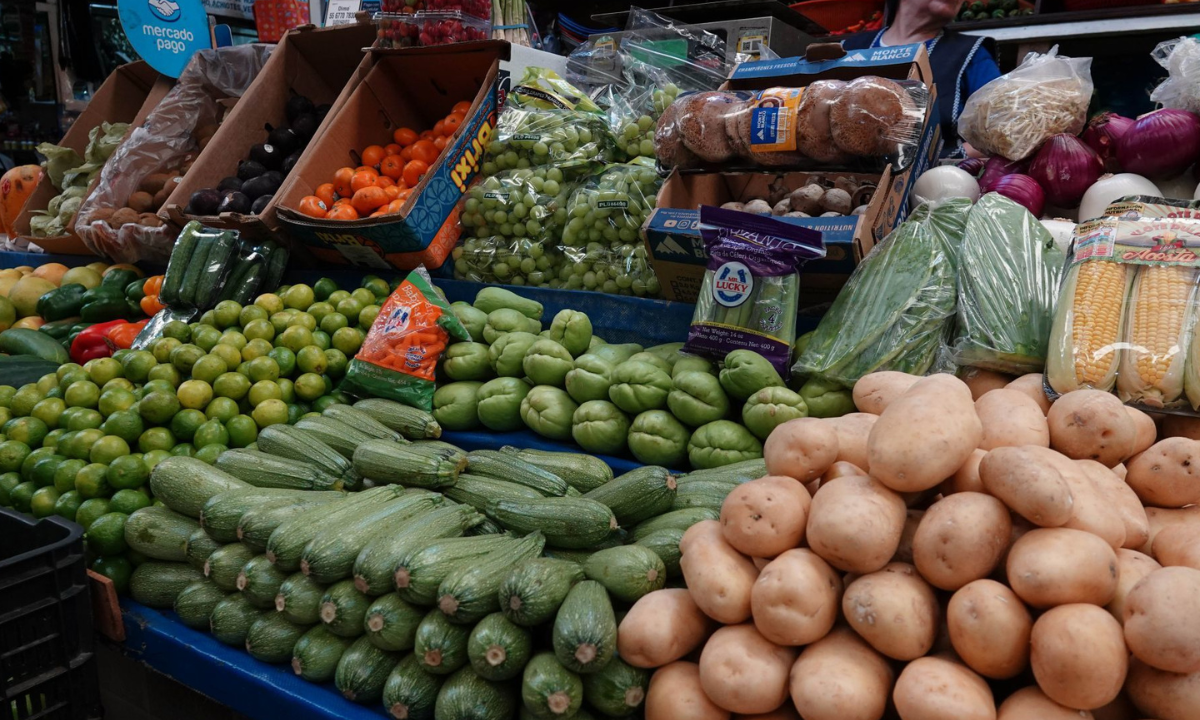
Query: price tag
pixel 341 12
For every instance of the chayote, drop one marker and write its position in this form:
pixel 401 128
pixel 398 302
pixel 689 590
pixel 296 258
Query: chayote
pixel 669 352
pixel 657 438
pixel 652 359
pixel 639 386
pixel 455 406
pixel 697 398
pixel 547 363
pixel 617 354
pixel 508 353
pixel 722 442
pixel 693 363
pixel 746 372
pixel 500 403
pixel 590 378
pixel 573 330
pixel 467 361
pixel 595 342
pixel 802 342
pixel 471 318
pixel 533 326
pixel 769 408
pixel 600 427
pixel 826 399
pixel 548 411
pixel 503 321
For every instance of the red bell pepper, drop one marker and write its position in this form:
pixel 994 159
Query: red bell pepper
pixel 93 343
pixel 121 337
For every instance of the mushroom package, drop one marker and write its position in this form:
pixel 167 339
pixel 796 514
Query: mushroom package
pixel 827 122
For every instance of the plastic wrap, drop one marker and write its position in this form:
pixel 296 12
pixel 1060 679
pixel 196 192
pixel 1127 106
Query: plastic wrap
pixel 1008 276
pixel 530 202
pixel 1014 114
pixel 158 143
pixel 897 309
pixel 509 261
pixel 1181 58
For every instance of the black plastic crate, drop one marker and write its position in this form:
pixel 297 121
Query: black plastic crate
pixel 47 668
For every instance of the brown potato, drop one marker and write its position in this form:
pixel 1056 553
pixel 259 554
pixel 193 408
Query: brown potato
pixel 141 201
pixel 1160 518
pixel 894 610
pixel 803 448
pixel 675 694
pixel 719 577
pixel 1091 511
pixel 123 216
pixel 1163 695
pixel 839 469
pixel 966 478
pixel 1120 709
pixel 1167 474
pixel 1178 546
pixel 1028 480
pixel 154 182
pixel 855 524
pixel 1147 431
pixel 1132 566
pixel 989 628
pixel 765 517
pixel 1011 419
pixel 1181 426
pixel 1162 620
pixel 874 392
pixel 935 688
pixel 1057 566
pixel 840 677
pixel 661 627
pixel 1120 471
pixel 1078 656
pixel 1116 494
pixel 1031 385
pixel 795 599
pixel 743 672
pixel 981 382
pixel 1092 425
pixel 787 712
pixel 912 520
pixel 852 431
pixel 1032 704
pixel 961 538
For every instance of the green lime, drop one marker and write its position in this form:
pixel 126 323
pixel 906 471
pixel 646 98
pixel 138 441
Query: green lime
pixel 154 457
pixel 186 449
pixel 127 472
pixel 263 368
pixel 115 400
pixel 128 501
pixel 243 369
pixel 21 495
pixel 323 402
pixel 332 323
pixel 231 385
pixel 185 356
pixel 297 411
pixel 49 411
pixel 211 433
pixel 335 362
pixel 64 475
pixel 28 430
pixel 230 354
pixel 206 319
pixel 25 398
pixel 74 376
pixel 210 453
pixel 234 337
pixel 184 424
pixel 125 424
pixel 295 338
pixel 194 394
pixel 256 348
pixel 108 448
pixel 178 330
pixel 163 347
pixel 287 390
pixel 83 419
pixel 137 364
pixel 67 505
pixel 80 446
pixel 41 503
pixel 208 368
pixel 66 368
pixel 119 355
pixel 337 296
pixel 304 320
pixel 206 337
pixel 158 385
pixel 55 392
pixel 92 481
pixel 285 359
pixel 226 313
pixel 264 390
pixel 270 412
pixel 221 409
pixel 6 395
pixel 52 437
pixel 319 310
pixel 309 386
pixel 299 297
pixel 6 414
pixel 12 454
pixel 311 359
pixel 280 321
pixel 118 569
pixel 117 384
pixel 158 438
pixel 167 373
pixel 89 510
pixel 363 295
pixel 83 393
pixel 159 407
pixel 47 382
pixel 8 481
pixel 270 302
pixel 104 369
pixel 250 313
pixel 376 285
pixel 44 469
pixel 321 339
pixel 323 288
pixel 242 430
pixel 259 330
pixel 348 340
pixel 367 317
pixel 106 536
pixel 351 306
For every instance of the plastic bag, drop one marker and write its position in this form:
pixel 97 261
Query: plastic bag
pixel 530 202
pixel 690 57
pixel 1181 58
pixel 508 261
pixel 1014 114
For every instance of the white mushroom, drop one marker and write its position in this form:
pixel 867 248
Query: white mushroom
pixel 783 207
pixel 836 201
pixel 831 214
pixel 797 213
pixel 733 206
pixel 758 207
pixel 808 198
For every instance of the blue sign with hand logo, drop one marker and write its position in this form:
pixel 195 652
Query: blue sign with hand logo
pixel 166 33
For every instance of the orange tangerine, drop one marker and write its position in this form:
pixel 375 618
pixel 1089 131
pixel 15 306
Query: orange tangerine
pixel 327 193
pixel 392 166
pixel 313 206
pixel 413 172
pixel 368 199
pixel 372 155
pixel 343 211
pixel 405 136
pixel 362 178
pixel 341 181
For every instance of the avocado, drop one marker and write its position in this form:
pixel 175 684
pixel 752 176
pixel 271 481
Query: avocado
pixel 296 105
pixel 203 202
pixel 259 186
pixel 249 169
pixel 284 139
pixel 260 204
pixel 290 162
pixel 229 183
pixel 305 126
pixel 267 155
pixel 235 202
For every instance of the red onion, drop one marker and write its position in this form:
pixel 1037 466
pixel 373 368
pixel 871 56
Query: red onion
pixel 996 168
pixel 1102 135
pixel 972 165
pixel 1065 168
pixel 1160 144
pixel 1024 191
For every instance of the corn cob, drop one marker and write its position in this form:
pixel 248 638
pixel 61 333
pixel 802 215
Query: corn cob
pixel 1088 327
pixel 1159 321
pixel 419 464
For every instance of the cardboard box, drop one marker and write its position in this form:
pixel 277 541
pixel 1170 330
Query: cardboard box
pixel 128 95
pixel 672 232
pixel 317 63
pixel 409 87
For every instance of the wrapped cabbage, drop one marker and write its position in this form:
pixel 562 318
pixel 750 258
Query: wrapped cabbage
pixel 59 161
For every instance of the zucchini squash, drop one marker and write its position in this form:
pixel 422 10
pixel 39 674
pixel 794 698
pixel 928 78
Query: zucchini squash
pixel 628 572
pixel 423 465
pixel 567 522
pixel 184 484
pixel 375 567
pixel 533 590
pixel 260 581
pixel 440 645
pixel 665 544
pixel 330 555
pixel 738 472
pixel 411 693
pixel 156 584
pixel 344 609
pixel 272 637
pixel 363 671
pixel 702 493
pixel 286 544
pixel 585 629
pixel 410 422
pixel 618 690
pixel 264 470
pixel 498 649
pixel 231 620
pixel 255 526
pixel 421 571
pixel 470 592
pixel 362 422
pixel 299 599
pixel 502 466
pixel 224 565
pixel 479 492
pixel 159 533
pixel 582 472
pixel 199 546
pixel 391 624
pixel 638 494
pixel 222 513
pixel 286 441
pixel 466 696
pixel 195 603
pixel 550 690
pixel 316 654
pixel 681 519
pixel 334 433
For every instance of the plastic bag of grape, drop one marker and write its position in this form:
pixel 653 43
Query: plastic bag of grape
pixel 509 261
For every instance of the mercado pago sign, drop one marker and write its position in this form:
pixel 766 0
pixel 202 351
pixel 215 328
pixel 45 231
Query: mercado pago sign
pixel 166 33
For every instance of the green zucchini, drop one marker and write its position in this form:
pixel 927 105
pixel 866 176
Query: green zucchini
pixel 487 527
pixel 224 565
pixel 299 599
pixel 533 589
pixel 222 513
pixel 231 619
pixel 681 519
pixel 503 466
pixel 344 608
pixel 159 533
pixel 363 671
pixel 255 526
pixel 420 571
pixel 628 572
pixel 419 464
pixel 362 422
pixel 410 422
pixel 567 522
pixel 195 603
pixel 466 696
pixel 316 654
pixel 184 484
pixel 272 637
pixel 585 629
pixel 618 690
pixel 665 544
pixel 375 566
pixel 334 433
pixel 411 693
pixel 550 690
pixel 260 581
pixel 288 442
pixel 440 645
pixel 638 494
pixel 263 470
pixel 199 547
pixel 286 545
pixel 580 714
pixel 156 584
pixel 579 557
pixel 391 624
pixel 498 649
pixel 738 473
pixel 478 491
pixel 330 555
pixel 702 493
pixel 471 592
pixel 582 472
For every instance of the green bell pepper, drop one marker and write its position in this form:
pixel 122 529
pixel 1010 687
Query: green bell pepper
pixel 135 290
pixel 62 302
pixel 105 307
pixel 59 329
pixel 118 279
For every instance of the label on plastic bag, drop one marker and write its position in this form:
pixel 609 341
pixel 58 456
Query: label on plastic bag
pixel 773 120
pixel 1141 234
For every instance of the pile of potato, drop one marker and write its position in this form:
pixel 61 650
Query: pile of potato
pixel 942 554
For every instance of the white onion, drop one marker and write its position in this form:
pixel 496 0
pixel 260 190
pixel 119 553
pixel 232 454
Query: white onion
pixel 943 182
pixel 1061 230
pixel 1113 187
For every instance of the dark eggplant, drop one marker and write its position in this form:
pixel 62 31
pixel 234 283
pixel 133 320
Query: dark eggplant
pixel 261 204
pixel 249 169
pixel 267 155
pixel 235 202
pixel 305 126
pixel 283 139
pixel 203 202
pixel 297 105
pixel 260 186
pixel 230 183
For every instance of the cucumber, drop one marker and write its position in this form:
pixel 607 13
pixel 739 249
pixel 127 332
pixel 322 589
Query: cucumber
pixel 471 592
pixel 502 466
pixel 344 608
pixel 195 603
pixel 676 519
pixel 196 267
pixel 177 265
pixel 411 693
pixel 534 589
pixel 256 526
pixel 375 566
pixel 31 343
pixel 156 584
pixel 184 484
pixel 618 690
pixel 498 649
pixel 316 654
pixel 159 533
pixel 421 571
pixel 702 493
pixel 391 624
pixel 440 645
pixel 466 696
pixel 410 422
pixel 224 565
pixel 286 545
pixel 585 629
pixel 222 513
pixel 362 422
pixel 478 491
pixel 330 555
pixel 272 637
pixel 260 581
pixel 231 620
pixel 665 544
pixel 582 472
pixel 638 494
pixel 263 470
pixel 334 433
pixel 628 572
pixel 567 522
pixel 421 464
pixel 287 442
pixel 299 599
pixel 550 690
pixel 199 546
pixel 363 671
pixel 219 253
